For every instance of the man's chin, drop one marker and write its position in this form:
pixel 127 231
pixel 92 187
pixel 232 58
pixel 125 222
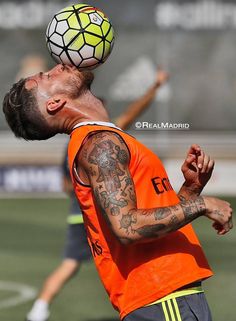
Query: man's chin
pixel 88 78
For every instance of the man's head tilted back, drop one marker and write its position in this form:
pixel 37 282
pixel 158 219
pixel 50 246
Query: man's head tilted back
pixel 21 110
pixel 32 104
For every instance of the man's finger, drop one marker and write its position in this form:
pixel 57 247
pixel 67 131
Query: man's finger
pixel 190 158
pixel 231 223
pixel 194 149
pixel 206 161
pixel 210 166
pixel 200 160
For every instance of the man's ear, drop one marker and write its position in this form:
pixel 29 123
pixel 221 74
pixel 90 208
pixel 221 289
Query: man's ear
pixel 54 104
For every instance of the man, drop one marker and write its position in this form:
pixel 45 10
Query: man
pixel 146 252
pixel 77 249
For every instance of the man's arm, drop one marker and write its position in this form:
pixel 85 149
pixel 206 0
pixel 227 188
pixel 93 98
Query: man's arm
pixel 197 170
pixel 137 107
pixel 105 159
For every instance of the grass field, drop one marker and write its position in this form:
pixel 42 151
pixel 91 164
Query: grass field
pixel 32 233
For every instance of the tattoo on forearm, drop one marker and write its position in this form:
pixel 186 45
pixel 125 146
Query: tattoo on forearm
pixel 151 230
pixel 218 213
pixel 167 217
pixel 162 213
pixel 127 221
pixel 193 208
pixel 170 222
pixel 188 192
pixel 174 222
pixel 182 198
pixel 157 230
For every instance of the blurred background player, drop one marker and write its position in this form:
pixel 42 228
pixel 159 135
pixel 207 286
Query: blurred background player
pixel 31 64
pixel 77 249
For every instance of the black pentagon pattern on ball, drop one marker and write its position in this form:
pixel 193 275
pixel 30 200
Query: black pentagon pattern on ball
pixel 84 32
pixel 61 52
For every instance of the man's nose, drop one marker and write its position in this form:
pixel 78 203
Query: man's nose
pixel 58 68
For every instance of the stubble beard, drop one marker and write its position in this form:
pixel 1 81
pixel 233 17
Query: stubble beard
pixel 88 78
pixel 78 84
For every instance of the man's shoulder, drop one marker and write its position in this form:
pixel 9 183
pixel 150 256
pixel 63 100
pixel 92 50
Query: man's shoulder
pixel 102 137
pixel 103 145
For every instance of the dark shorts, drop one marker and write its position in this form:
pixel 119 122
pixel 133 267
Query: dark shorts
pixel 76 246
pixel 192 307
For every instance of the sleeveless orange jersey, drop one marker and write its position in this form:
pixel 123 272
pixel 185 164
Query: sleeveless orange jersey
pixel 138 274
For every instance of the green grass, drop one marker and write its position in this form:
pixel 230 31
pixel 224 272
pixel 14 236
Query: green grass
pixel 32 235
pixel 220 251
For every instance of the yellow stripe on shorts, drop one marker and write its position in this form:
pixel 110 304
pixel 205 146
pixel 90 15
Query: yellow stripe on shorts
pixel 178 294
pixel 177 310
pixel 165 311
pixel 171 310
pixel 169 303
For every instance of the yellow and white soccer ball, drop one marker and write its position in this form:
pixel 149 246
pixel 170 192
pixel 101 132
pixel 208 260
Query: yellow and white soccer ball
pixel 80 35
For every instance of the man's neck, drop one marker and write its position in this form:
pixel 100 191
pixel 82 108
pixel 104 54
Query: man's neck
pixel 87 108
pixel 99 115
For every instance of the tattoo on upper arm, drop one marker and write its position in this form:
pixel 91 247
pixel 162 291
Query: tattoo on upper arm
pixel 106 161
pixel 98 203
pixel 111 201
pixel 103 155
pixel 122 155
pixel 92 172
pixel 128 182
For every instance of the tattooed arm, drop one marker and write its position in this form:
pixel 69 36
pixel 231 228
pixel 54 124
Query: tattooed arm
pixel 105 159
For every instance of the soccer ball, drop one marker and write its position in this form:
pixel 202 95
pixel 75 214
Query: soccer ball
pixel 80 35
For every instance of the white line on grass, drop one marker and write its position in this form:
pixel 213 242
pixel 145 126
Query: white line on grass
pixel 24 293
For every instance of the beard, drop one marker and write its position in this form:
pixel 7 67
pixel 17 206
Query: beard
pixel 88 78
pixel 79 83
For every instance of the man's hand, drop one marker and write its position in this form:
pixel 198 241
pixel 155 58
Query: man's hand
pixel 161 77
pixel 138 106
pixel 197 169
pixel 220 212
